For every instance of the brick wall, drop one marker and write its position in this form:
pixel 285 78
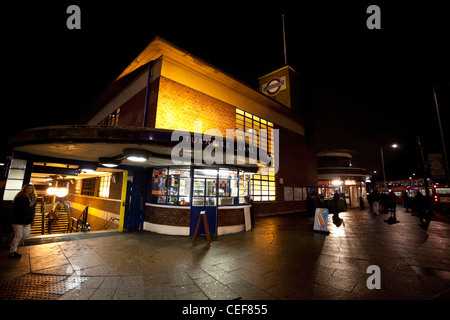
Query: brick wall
pixel 230 217
pixel 297 169
pixel 95 204
pixel 132 111
pixel 179 106
pixel 178 217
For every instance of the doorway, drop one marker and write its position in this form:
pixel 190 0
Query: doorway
pixel 204 198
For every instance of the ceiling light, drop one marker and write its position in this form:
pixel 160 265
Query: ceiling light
pixel 109 162
pixel 137 155
pixel 61 192
pixel 51 191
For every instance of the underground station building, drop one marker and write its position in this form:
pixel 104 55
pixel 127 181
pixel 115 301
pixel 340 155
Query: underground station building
pixel 117 159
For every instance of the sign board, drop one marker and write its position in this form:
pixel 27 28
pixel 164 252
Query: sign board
pixel 274 86
pixel 298 194
pixel 321 220
pixel 288 194
pixel 436 166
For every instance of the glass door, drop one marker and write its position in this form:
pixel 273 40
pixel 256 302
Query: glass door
pixel 204 200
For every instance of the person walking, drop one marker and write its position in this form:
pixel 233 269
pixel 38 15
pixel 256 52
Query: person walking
pixel 23 214
pixel 53 216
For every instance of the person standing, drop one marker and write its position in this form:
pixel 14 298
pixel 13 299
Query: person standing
pixel 392 203
pixel 376 202
pixel 23 214
pixel 336 198
pixel 420 205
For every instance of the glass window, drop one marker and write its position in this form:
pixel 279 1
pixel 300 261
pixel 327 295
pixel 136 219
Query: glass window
pixel 226 201
pixel 198 201
pixel 104 186
pixel 205 173
pixel 159 186
pixel 182 172
pixel 185 187
pixel 199 187
pixel 228 174
pixel 210 187
pixel 88 187
pixel 174 185
pixel 246 121
pixel 210 201
pixel 224 188
pixel 171 186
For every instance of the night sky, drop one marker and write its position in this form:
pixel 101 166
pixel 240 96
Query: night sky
pixel 365 88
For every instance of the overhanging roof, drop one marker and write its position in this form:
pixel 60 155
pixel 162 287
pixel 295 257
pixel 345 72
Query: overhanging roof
pixel 89 143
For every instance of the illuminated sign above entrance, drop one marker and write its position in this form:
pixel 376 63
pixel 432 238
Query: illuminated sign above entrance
pixel 274 86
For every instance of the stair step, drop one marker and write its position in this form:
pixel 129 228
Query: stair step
pixel 60 226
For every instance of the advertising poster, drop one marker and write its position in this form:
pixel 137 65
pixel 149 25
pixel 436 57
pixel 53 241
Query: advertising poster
pixel 321 220
pixel 436 166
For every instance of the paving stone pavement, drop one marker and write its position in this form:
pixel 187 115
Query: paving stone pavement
pixel 280 258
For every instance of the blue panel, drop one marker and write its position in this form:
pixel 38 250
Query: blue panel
pixel 211 216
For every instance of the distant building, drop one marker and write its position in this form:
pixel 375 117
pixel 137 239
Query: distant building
pixel 335 169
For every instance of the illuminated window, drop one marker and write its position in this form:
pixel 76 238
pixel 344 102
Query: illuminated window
pixel 112 119
pixel 262 187
pixel 88 187
pixel 104 186
pixel 77 186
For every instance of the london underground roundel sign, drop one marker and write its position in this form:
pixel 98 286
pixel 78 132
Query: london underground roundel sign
pixel 273 86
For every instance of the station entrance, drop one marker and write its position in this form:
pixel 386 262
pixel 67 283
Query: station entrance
pixel 89 198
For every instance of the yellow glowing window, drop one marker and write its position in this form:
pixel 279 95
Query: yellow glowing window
pixel 262 186
pixel 104 186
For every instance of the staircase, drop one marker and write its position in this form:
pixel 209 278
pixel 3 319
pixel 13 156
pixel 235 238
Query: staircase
pixel 60 226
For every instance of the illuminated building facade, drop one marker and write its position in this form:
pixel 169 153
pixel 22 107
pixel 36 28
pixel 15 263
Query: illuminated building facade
pixel 165 89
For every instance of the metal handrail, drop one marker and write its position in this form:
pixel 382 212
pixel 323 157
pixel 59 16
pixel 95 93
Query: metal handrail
pixel 81 223
pixel 109 222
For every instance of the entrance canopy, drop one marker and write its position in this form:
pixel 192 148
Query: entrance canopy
pixel 112 146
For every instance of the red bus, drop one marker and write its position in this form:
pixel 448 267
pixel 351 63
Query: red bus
pixel 441 197
pixel 411 187
pixel 440 193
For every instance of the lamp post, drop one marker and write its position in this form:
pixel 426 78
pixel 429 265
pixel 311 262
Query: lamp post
pixel 447 173
pixel 395 146
pixel 425 176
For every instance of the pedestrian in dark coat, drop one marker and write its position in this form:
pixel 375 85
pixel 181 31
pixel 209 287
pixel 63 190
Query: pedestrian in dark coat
pixel 420 205
pixel 23 215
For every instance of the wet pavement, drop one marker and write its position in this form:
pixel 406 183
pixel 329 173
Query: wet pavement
pixel 280 258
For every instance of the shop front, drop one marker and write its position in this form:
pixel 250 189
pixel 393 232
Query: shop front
pixel 222 193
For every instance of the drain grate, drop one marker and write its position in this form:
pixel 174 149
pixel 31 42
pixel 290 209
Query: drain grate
pixel 39 287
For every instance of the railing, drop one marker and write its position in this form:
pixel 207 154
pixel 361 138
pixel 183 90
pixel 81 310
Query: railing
pixel 81 223
pixel 43 216
pixel 109 222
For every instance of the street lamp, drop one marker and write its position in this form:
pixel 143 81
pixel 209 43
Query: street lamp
pixel 394 146
pixel 425 176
